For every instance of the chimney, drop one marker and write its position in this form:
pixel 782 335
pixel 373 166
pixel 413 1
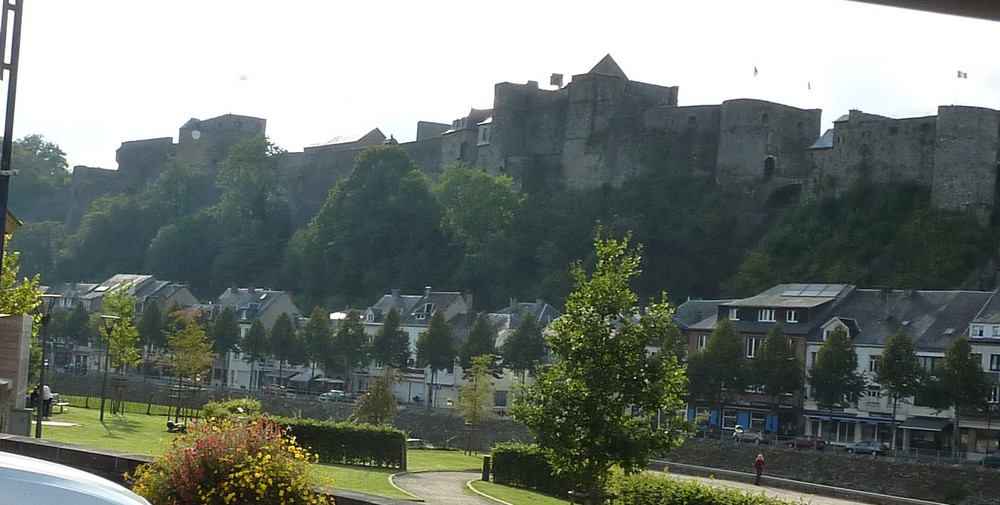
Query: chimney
pixel 513 305
pixel 395 292
pixel 469 299
pixel 427 291
pixel 233 289
pixel 250 290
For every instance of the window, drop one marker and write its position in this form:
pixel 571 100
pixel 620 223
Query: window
pixel 766 315
pixel 977 331
pixel 754 388
pixel 702 342
pixel 812 358
pixel 928 363
pixel 734 314
pixel 995 331
pixel 995 362
pixel 873 363
pixel 752 344
pixel 791 316
pixel 370 317
pixel 994 397
pixel 873 392
pixel 792 345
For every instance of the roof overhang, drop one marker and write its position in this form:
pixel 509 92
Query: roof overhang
pixel 925 423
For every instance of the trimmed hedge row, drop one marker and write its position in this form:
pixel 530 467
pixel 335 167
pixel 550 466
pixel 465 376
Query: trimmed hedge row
pixel 524 466
pixel 521 465
pixel 350 443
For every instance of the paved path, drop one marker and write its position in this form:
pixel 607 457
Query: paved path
pixel 449 488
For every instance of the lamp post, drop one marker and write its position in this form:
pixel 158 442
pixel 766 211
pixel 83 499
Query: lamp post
pixel 109 322
pixel 48 300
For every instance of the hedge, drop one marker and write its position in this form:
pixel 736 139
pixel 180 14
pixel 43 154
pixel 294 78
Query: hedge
pixel 521 465
pixel 351 443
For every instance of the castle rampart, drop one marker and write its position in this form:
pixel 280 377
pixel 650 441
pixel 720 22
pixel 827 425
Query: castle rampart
pixel 966 160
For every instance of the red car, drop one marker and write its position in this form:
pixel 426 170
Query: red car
pixel 807 442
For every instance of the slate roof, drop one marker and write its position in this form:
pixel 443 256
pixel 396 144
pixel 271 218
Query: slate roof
pixel 990 313
pixel 825 141
pixel 933 319
pixel 792 296
pixel 542 311
pixel 403 304
pixel 693 312
pixel 254 301
pixel 420 313
pixel 608 66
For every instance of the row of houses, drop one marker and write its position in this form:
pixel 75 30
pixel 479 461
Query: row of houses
pixel 810 312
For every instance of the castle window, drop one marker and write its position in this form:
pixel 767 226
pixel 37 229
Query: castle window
pixel 763 118
pixel 769 163
pixel 484 135
pixel 692 121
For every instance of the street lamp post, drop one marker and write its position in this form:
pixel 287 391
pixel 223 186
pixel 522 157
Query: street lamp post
pixel 109 323
pixel 48 300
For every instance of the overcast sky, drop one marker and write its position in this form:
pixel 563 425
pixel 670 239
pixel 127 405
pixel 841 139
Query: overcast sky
pixel 95 74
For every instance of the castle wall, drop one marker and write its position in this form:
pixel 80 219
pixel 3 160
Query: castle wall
pixel 309 176
pixel 427 130
pixel 428 155
pixel 752 130
pixel 966 160
pixel 214 138
pixel 876 149
pixel 682 138
pixel 527 134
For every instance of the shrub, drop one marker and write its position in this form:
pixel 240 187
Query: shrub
pixel 650 489
pixel 229 462
pixel 241 408
pixel 525 466
pixel 349 443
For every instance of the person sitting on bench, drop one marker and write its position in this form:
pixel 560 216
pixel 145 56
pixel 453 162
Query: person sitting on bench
pixel 176 428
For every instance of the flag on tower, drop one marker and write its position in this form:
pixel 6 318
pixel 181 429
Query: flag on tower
pixel 755 71
pixel 962 75
pixel 809 85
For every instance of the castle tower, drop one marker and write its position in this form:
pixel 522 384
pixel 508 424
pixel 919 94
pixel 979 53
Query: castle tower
pixel 966 160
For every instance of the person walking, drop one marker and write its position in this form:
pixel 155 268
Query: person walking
pixel 46 401
pixel 759 466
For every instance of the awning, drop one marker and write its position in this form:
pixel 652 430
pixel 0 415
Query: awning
pixel 840 416
pixel 925 423
pixel 284 374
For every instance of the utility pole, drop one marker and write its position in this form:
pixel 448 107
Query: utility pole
pixel 11 17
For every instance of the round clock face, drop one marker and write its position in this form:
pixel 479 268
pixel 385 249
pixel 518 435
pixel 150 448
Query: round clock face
pixel 195 134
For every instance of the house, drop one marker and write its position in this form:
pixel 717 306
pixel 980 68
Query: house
pixel 506 322
pixel 251 304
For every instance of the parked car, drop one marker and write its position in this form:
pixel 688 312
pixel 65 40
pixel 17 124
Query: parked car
pixel 807 442
pixel 869 447
pixel 334 395
pixel 750 435
pixel 31 480
pixel 275 390
pixel 706 430
pixel 418 443
pixel 991 460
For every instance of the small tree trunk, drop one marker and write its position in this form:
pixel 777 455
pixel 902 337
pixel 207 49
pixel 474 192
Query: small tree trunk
pixel 895 400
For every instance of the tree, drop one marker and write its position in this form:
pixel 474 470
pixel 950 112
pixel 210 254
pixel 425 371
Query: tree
pixel 186 248
pixel 78 327
pixel 255 348
pixel 597 406
pixel 283 343
pixel 349 342
pixel 113 238
pixel 191 355
pixel 834 376
pixel 39 243
pixel 480 340
pixel 435 350
pixel 899 371
pixel 959 375
pixel 525 348
pixel 391 345
pixel 776 368
pixel 122 344
pixel 719 370
pixel 475 396
pixel 151 327
pixel 225 338
pixel 379 404
pixel 317 338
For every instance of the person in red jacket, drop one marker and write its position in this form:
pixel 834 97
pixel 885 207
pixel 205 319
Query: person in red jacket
pixel 759 466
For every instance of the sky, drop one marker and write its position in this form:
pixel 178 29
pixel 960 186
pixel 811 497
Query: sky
pixel 95 74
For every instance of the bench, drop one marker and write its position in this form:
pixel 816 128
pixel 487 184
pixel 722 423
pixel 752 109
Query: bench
pixel 62 405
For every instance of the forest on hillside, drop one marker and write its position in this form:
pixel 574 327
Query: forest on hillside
pixel 387 226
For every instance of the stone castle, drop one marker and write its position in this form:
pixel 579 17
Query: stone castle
pixel 602 129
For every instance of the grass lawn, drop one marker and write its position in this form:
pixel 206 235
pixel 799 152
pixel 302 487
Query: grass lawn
pixel 515 495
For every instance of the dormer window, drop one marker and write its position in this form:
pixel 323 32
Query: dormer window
pixel 370 317
pixel 791 316
pixel 995 331
pixel 766 316
pixel 977 331
pixel 734 314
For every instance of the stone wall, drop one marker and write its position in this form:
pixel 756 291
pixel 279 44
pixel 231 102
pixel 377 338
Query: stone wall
pixel 966 160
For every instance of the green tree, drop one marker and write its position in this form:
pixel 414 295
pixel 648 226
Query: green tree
pixel 379 404
pixel 317 338
pixel 776 368
pixel 525 347
pixel 597 406
pixel 834 377
pixel 960 376
pixel 42 182
pixel 78 327
pixel 475 396
pixel 225 338
pixel 40 244
pixel 718 371
pixel 391 345
pixel 481 340
pixel 435 350
pixel 388 193
pixel 181 190
pixel 186 248
pixel 283 343
pixel 349 342
pixel 191 356
pixel 152 328
pixel 255 348
pixel 899 371
pixel 113 238
pixel 122 345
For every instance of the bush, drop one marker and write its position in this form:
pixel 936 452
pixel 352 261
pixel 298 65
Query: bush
pixel 229 462
pixel 650 489
pixel 240 408
pixel 525 466
pixel 349 443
